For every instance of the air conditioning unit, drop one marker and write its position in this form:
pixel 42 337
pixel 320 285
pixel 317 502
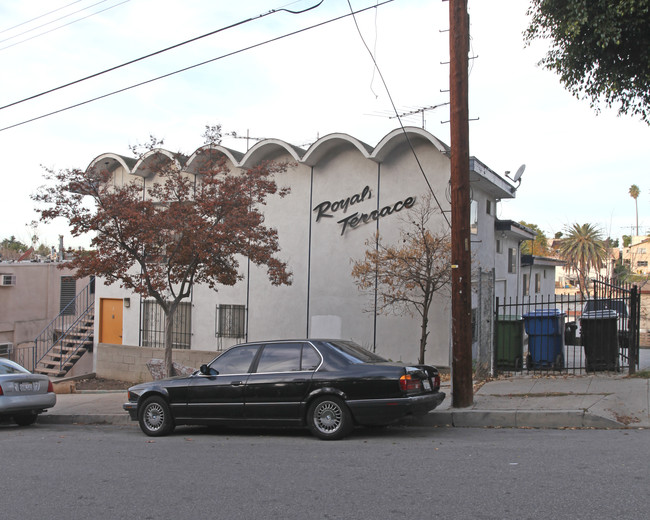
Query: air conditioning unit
pixel 7 279
pixel 5 349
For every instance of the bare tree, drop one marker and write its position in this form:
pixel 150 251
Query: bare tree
pixel 405 276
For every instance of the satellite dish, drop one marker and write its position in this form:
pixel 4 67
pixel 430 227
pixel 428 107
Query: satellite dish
pixel 519 173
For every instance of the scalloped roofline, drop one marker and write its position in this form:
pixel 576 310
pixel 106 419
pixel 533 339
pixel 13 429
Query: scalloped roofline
pixel 264 148
pixel 125 162
pixel 233 156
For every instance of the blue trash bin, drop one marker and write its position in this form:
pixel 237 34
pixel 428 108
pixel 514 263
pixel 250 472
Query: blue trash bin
pixel 545 329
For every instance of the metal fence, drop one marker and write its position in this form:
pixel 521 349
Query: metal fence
pixel 569 333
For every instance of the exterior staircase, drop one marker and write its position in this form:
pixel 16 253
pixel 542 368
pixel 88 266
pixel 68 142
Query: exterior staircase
pixel 65 352
pixel 68 337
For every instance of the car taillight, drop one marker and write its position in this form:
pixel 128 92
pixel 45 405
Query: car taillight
pixel 436 381
pixel 50 387
pixel 0 389
pixel 408 383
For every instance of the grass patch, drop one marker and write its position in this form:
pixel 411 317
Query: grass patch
pixel 642 374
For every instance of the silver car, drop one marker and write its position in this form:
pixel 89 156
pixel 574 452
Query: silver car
pixel 23 395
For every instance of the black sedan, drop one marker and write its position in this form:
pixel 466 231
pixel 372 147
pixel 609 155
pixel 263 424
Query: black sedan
pixel 327 385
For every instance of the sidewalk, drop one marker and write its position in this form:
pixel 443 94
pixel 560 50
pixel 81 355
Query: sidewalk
pixel 592 401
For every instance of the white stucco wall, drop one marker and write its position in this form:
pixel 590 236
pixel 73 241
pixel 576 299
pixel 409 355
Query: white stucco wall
pixel 323 297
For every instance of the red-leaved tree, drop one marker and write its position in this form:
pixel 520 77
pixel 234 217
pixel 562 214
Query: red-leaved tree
pixel 180 230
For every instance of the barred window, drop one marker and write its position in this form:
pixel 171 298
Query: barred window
pixel 152 330
pixel 230 321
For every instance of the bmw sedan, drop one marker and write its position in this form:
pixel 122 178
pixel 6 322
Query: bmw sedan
pixel 23 395
pixel 328 386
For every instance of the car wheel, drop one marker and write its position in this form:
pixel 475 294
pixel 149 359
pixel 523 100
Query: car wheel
pixel 25 419
pixel 329 419
pixel 155 417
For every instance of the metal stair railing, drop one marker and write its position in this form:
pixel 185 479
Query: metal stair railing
pixel 60 329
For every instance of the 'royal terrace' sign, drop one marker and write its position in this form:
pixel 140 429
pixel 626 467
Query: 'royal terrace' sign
pixel 327 208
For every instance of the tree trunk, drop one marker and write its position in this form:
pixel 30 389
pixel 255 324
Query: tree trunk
pixel 424 334
pixel 169 329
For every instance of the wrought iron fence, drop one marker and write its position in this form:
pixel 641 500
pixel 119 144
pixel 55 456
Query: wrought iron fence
pixel 569 333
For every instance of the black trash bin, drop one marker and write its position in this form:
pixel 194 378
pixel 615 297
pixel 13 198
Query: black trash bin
pixel 570 333
pixel 599 331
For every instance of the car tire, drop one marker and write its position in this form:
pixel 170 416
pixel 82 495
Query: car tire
pixel 329 418
pixel 25 419
pixel 155 417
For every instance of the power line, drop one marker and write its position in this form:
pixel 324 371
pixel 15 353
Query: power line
pixel 211 33
pixel 390 98
pixel 192 66
pixel 53 21
pixel 38 17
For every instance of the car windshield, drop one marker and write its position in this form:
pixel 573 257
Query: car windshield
pixel 355 353
pixel 607 304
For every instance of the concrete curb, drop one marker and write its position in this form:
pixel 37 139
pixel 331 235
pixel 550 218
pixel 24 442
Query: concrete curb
pixel 555 419
pixel 447 418
pixel 99 419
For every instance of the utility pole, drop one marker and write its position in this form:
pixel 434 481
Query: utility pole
pixel 461 303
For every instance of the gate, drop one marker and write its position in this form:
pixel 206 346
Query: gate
pixel 569 333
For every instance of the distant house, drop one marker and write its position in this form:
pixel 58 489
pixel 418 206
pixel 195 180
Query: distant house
pixel 538 277
pixel 32 294
pixel 637 256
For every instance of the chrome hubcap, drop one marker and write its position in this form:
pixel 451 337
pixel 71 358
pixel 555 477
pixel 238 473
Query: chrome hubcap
pixel 327 417
pixel 154 416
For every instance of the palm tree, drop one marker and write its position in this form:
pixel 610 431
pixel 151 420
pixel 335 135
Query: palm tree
pixel 583 249
pixel 634 193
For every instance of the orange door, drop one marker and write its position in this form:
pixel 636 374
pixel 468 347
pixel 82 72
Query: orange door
pixel 110 324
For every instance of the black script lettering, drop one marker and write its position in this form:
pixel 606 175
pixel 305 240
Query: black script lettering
pixel 352 220
pixel 343 204
pixel 409 202
pixel 322 208
pixel 355 220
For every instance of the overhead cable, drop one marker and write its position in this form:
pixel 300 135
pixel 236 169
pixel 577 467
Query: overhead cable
pixel 260 44
pixel 161 51
pixel 398 117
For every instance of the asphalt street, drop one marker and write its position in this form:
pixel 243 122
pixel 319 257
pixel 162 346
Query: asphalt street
pixel 63 472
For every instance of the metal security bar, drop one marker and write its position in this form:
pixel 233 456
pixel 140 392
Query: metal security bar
pixel 569 333
pixel 230 321
pixel 152 330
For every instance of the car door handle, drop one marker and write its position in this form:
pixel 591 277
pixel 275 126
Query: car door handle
pixel 236 383
pixel 299 380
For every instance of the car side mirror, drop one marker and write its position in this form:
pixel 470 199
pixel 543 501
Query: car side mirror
pixel 207 371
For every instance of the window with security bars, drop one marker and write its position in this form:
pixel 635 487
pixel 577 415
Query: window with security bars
pixel 231 321
pixel 152 329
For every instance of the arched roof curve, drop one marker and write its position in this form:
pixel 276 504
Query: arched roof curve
pixel 143 167
pixel 112 161
pixel 197 159
pixel 330 142
pixel 399 136
pixel 262 150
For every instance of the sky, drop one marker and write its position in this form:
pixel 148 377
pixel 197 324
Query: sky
pixel 579 164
